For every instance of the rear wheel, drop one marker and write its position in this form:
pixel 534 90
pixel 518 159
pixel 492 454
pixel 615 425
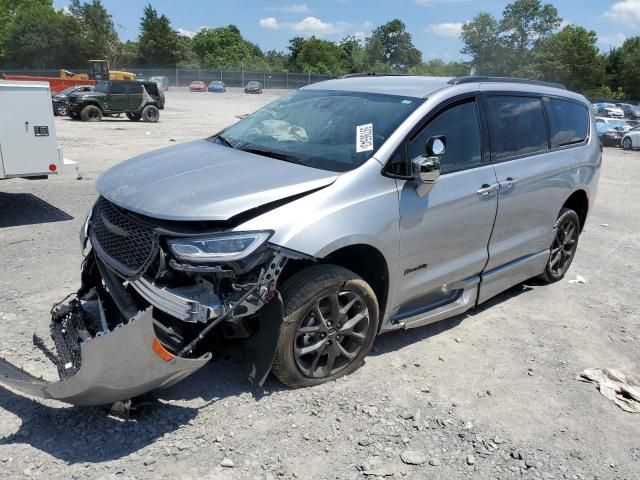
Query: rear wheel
pixel 91 113
pixel 134 117
pixel 150 113
pixel 627 144
pixel 564 246
pixel 330 322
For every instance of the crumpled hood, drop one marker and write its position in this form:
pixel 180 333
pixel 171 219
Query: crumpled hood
pixel 204 181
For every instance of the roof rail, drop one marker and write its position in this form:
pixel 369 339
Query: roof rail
pixel 372 74
pixel 483 79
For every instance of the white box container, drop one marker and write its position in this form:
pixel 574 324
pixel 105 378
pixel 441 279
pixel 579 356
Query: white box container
pixel 28 146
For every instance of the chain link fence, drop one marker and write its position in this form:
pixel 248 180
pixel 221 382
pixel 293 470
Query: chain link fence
pixel 182 77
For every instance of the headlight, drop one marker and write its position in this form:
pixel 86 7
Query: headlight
pixel 218 248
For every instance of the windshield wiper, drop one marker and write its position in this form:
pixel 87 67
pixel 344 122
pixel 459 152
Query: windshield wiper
pixel 225 141
pixel 270 154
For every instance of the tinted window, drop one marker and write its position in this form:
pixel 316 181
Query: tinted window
pixel 118 88
pixel 568 122
pixel 134 88
pixel 461 128
pixel 516 126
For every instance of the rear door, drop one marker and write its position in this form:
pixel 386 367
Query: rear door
pixel 117 100
pixel 134 91
pixel 533 169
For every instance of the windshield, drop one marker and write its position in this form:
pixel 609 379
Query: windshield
pixel 616 123
pixel 67 91
pixel 102 87
pixel 329 130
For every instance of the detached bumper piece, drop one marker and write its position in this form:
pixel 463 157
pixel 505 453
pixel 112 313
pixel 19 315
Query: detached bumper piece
pixel 109 367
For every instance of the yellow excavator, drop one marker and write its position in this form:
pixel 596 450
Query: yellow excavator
pixel 98 70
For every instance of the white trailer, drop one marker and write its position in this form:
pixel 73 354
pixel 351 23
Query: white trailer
pixel 28 146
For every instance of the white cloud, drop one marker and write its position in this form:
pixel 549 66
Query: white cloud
pixel 447 29
pixel 626 12
pixel 295 8
pixel 313 25
pixel 270 23
pixel 189 33
pixel 360 36
pixel 612 40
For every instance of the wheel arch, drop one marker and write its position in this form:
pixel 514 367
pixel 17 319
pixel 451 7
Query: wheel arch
pixel 362 259
pixel 578 201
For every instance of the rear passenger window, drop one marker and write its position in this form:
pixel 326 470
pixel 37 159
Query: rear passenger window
pixel 516 126
pixel 117 88
pixel 134 88
pixel 568 122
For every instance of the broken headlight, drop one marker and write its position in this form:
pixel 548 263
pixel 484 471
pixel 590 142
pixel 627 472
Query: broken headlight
pixel 225 247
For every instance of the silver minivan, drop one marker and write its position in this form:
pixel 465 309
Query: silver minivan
pixel 347 209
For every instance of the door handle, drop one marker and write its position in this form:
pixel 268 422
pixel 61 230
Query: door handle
pixel 486 189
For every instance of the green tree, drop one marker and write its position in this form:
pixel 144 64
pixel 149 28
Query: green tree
pixel 570 57
pixel 98 36
pixel 391 44
pixel 41 37
pixel 224 47
pixel 295 45
pixel 321 56
pixel 438 68
pixel 158 42
pixel 355 55
pixel 630 67
pixel 525 22
pixel 7 17
pixel 482 42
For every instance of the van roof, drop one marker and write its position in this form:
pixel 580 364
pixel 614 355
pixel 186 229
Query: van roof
pixel 421 87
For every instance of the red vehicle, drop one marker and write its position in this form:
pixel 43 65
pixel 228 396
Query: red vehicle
pixel 198 86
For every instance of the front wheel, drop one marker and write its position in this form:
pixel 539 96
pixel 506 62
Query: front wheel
pixel 330 322
pixel 564 246
pixel 61 110
pixel 91 113
pixel 627 144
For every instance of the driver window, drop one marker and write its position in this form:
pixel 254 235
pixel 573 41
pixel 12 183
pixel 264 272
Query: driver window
pixel 460 125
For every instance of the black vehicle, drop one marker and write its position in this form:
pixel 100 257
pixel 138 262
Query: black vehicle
pixel 611 136
pixel 253 87
pixel 60 99
pixel 632 112
pixel 138 100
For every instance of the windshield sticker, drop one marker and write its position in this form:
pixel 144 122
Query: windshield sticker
pixel 364 138
pixel 406 102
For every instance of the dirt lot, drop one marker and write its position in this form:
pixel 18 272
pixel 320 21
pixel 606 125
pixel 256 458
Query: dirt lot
pixel 492 394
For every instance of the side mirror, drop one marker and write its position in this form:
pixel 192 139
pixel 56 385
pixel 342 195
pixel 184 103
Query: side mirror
pixel 426 169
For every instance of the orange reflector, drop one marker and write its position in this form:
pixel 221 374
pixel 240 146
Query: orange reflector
pixel 162 352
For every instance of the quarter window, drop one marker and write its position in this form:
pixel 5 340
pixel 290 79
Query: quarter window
pixel 134 88
pixel 117 88
pixel 460 126
pixel 516 126
pixel 568 122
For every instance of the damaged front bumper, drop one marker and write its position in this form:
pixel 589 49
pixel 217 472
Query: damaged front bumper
pixel 118 365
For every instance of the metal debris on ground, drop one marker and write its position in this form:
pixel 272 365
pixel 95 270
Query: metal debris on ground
pixel 578 279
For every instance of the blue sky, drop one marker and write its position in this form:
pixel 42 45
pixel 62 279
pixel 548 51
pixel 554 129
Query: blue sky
pixel 434 24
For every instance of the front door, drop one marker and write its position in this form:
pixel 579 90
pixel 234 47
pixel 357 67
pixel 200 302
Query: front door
pixel 444 234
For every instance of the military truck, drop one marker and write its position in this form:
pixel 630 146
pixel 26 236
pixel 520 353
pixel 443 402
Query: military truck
pixel 137 100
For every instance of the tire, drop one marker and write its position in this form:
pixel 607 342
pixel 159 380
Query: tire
pixel 134 117
pixel 627 144
pixel 150 113
pixel 565 243
pixel 61 110
pixel 311 293
pixel 91 113
pixel 73 115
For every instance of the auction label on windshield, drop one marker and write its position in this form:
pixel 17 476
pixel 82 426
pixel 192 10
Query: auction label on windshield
pixel 364 138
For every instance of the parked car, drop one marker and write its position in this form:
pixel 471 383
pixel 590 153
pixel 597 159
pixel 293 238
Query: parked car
pixel 631 112
pixel 115 97
pixel 609 110
pixel 60 100
pixel 253 87
pixel 197 86
pixel 631 139
pixel 217 86
pixel 632 123
pixel 609 133
pixel 349 208
pixel 163 82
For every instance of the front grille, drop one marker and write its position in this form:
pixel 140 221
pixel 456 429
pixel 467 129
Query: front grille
pixel 123 243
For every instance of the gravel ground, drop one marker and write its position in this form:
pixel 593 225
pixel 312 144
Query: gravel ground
pixel 491 394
